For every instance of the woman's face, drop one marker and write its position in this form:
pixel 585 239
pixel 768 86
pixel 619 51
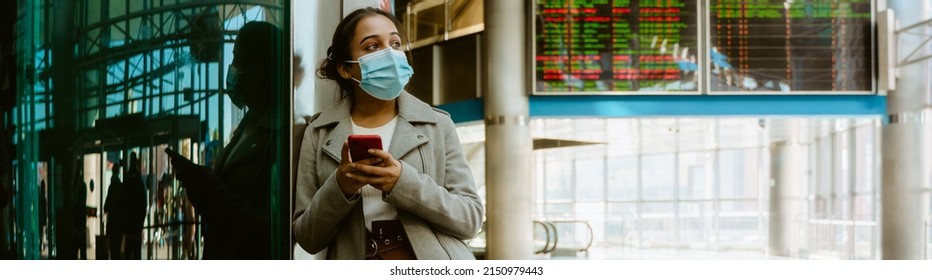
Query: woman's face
pixel 372 34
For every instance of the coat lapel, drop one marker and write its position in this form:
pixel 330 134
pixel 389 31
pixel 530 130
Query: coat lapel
pixel 255 142
pixel 334 144
pixel 411 111
pixel 224 155
pixel 252 144
pixel 405 139
pixel 339 116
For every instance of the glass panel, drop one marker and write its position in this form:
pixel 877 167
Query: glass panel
pixel 744 207
pixel 540 181
pixel 738 173
pixel 864 159
pixel 621 223
pixel 864 242
pixel 593 215
pixel 658 136
pixel 739 224
pixel 711 199
pixel 559 180
pixel 590 179
pixel 842 170
pixel 558 128
pixel 825 166
pixel 658 224
pixel 559 211
pixel 739 133
pixel 657 177
pixel 137 77
pixel 864 207
pixel 695 175
pixel 622 136
pixel 738 232
pixel 589 130
pixel 693 134
pixel 622 179
pixel 695 224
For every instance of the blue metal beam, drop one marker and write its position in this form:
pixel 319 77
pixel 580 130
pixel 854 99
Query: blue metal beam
pixel 625 106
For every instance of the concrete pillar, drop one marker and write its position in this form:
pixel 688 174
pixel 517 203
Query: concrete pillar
pixel 508 137
pixel 351 5
pixel 904 202
pixel 320 27
pixel 314 23
pixel 788 167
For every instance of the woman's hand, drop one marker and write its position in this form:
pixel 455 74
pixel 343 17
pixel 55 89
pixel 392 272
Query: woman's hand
pixel 347 172
pixel 382 173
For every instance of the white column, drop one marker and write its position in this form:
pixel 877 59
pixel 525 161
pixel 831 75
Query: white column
pixel 904 204
pixel 788 167
pixel 508 137
pixel 314 23
pixel 321 23
pixel 351 5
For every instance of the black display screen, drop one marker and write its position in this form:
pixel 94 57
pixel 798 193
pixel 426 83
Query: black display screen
pixel 652 46
pixel 615 46
pixel 790 46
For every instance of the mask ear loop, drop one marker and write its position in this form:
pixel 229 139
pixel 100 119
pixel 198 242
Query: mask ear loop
pixel 330 53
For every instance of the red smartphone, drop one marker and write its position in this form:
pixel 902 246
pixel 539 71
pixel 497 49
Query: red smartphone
pixel 359 145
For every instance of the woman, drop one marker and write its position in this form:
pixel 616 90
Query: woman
pixel 417 200
pixel 233 197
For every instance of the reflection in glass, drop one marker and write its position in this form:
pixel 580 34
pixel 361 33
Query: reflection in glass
pixel 128 77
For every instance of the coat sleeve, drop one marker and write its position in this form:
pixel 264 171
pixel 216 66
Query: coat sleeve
pixel 236 201
pixel 245 216
pixel 451 206
pixel 222 204
pixel 320 206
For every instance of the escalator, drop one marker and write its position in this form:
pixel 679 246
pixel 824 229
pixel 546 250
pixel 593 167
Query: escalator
pixel 553 238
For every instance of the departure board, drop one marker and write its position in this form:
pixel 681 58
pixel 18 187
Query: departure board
pixel 790 46
pixel 615 46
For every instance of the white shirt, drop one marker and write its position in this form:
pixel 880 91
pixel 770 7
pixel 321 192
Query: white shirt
pixel 373 207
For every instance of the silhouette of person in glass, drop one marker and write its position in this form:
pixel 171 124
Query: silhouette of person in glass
pixel 233 197
pixel 80 212
pixel 115 217
pixel 133 200
pixel 43 214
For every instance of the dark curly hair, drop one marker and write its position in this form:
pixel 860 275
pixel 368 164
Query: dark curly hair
pixel 338 52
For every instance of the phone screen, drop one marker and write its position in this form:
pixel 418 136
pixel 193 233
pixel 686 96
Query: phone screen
pixel 359 146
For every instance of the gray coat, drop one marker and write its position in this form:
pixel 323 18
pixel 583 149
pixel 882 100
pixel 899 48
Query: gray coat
pixel 435 195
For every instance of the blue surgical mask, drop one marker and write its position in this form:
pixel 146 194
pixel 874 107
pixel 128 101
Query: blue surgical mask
pixel 384 73
pixel 232 79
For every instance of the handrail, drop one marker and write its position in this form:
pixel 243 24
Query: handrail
pixel 591 234
pixel 547 239
pixel 556 237
pixel 551 236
